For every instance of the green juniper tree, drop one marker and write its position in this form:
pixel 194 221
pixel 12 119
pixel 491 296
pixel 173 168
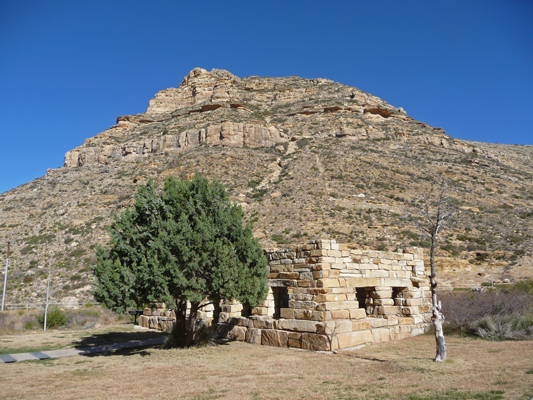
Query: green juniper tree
pixel 186 245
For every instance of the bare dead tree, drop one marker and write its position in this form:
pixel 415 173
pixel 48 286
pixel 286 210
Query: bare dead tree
pixel 435 210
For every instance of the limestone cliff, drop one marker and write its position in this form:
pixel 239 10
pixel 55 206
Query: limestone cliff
pixel 218 108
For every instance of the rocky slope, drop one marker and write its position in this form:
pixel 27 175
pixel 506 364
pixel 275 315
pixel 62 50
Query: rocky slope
pixel 305 158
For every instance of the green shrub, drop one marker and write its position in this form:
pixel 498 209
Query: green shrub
pixel 30 324
pixel 88 305
pixel 55 318
pixel 280 239
pixel 27 249
pixel 302 143
pixel 525 286
pixel 77 253
pixel 259 193
pixel 505 327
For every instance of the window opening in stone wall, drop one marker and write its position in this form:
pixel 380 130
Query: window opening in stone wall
pixel 281 299
pixel 398 295
pixel 246 310
pixel 362 294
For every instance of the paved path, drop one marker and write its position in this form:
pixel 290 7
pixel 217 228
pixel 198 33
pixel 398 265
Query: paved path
pixel 38 355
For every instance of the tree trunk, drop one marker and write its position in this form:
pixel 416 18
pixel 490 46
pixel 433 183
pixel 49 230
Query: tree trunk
pixel 216 312
pixel 438 320
pixel 179 332
pixel 192 322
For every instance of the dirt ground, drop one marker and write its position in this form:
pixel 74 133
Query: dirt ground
pixel 401 370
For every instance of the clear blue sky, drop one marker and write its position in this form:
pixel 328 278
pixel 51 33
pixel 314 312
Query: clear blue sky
pixel 69 68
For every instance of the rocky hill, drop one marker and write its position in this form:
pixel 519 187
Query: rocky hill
pixel 306 158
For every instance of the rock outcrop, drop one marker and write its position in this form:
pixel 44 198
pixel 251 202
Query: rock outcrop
pixel 226 133
pixel 218 108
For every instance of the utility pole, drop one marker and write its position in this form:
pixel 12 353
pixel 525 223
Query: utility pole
pixel 9 239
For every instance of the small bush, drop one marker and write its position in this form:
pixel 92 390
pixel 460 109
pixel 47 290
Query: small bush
pixel 280 239
pixel 302 143
pixel 259 193
pixel 525 286
pixel 505 327
pixel 55 319
pixel 77 253
pixel 204 335
pixel 27 249
pixel 12 322
pixel 30 325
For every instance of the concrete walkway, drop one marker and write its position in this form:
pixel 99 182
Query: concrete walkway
pixel 38 355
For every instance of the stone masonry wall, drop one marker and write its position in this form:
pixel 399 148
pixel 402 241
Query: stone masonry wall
pixel 325 296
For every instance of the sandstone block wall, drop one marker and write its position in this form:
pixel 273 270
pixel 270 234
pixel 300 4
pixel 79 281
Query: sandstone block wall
pixel 325 296
pixel 163 319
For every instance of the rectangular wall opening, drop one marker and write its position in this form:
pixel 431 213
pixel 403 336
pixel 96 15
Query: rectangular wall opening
pixel 362 294
pixel 281 299
pixel 397 295
pixel 246 310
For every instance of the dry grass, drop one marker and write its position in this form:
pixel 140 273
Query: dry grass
pixel 241 371
pixel 24 321
pixel 55 339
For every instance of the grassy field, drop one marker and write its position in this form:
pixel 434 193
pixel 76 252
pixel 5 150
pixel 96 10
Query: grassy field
pixel 476 369
pixel 66 339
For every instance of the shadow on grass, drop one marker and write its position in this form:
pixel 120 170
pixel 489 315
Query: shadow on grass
pixel 143 351
pixel 109 343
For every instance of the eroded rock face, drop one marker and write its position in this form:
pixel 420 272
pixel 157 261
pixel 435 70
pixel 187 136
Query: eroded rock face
pixel 227 134
pixel 217 108
pixel 197 87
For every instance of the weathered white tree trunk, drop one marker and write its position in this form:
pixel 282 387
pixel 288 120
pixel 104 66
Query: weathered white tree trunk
pixel 435 213
pixel 438 321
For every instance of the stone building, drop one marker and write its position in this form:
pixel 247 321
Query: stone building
pixel 326 296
